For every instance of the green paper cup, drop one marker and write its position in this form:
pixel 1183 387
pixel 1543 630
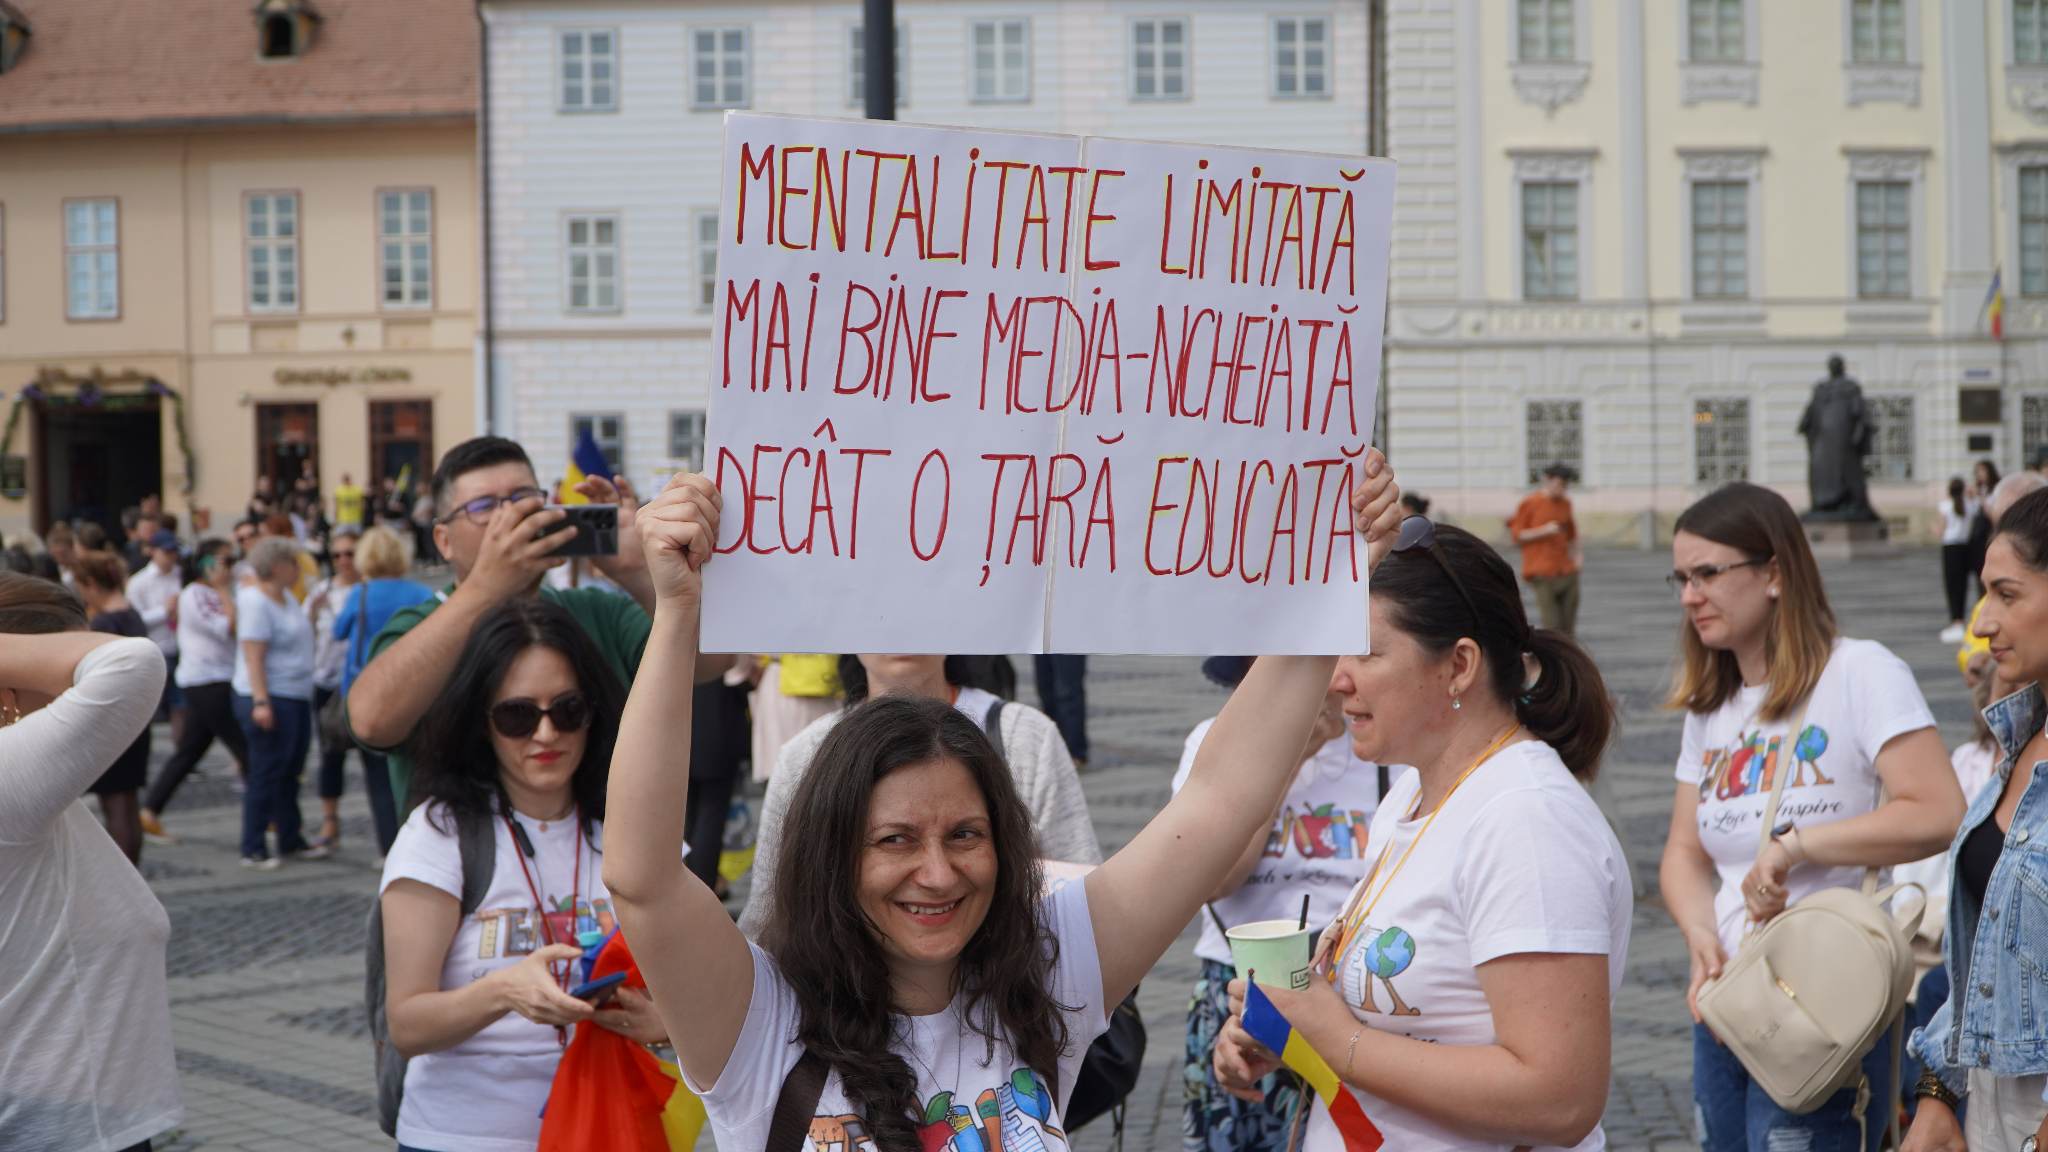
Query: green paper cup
pixel 1278 950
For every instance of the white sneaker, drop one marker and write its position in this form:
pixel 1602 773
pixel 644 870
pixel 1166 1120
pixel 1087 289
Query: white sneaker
pixel 262 863
pixel 1953 634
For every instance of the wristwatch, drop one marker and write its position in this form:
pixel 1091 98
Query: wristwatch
pixel 2031 1144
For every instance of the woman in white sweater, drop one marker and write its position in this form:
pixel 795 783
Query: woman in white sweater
pixel 1030 743
pixel 85 1059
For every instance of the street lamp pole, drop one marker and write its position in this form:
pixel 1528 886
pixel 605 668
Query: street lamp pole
pixel 878 49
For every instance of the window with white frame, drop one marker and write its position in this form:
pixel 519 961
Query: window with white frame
pixel 2033 424
pixel 405 248
pixel 1891 440
pixel 593 263
pixel 1720 239
pixel 589 70
pixel 1554 433
pixel 1877 31
pixel 2030 31
pixel 608 430
pixel 1720 440
pixel 857 66
pixel 1545 30
pixel 707 260
pixel 273 251
pixel 92 259
pixel 719 68
pixel 1884 239
pixel 1715 32
pixel 686 440
pixel 999 65
pixel 1550 240
pixel 1301 58
pixel 1159 59
pixel 2033 230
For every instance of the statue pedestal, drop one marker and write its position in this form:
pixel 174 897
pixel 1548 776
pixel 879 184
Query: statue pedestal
pixel 1846 540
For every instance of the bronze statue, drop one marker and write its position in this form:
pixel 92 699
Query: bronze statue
pixel 1838 435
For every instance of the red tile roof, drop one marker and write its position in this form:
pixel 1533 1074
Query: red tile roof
pixel 98 64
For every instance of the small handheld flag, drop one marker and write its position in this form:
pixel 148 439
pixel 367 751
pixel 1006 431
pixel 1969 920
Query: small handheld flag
pixel 1266 1025
pixel 586 460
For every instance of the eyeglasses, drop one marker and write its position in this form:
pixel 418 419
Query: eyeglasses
pixel 517 719
pixel 478 511
pixel 348 555
pixel 1702 575
pixel 1418 533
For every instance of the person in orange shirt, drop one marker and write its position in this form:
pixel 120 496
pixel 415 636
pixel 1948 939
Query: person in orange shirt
pixel 1543 528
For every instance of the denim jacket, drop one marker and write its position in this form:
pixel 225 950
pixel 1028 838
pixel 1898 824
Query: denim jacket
pixel 1996 1017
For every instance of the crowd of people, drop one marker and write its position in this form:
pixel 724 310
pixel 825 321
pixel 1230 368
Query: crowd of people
pixel 933 945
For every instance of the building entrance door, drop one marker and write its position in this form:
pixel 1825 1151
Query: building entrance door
pixel 94 461
pixel 287 438
pixel 401 440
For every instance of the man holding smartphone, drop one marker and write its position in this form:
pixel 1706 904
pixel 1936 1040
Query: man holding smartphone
pixel 493 524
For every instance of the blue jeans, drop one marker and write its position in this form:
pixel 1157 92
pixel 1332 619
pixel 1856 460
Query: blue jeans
pixel 1737 1116
pixel 276 758
pixel 1063 690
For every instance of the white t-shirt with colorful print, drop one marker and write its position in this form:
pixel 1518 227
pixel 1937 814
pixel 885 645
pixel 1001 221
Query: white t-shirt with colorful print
pixel 485 1094
pixel 969 1105
pixel 1865 697
pixel 1518 860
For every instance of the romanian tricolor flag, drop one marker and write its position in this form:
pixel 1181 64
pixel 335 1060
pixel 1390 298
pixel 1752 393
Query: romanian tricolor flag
pixel 1266 1025
pixel 1994 305
pixel 586 460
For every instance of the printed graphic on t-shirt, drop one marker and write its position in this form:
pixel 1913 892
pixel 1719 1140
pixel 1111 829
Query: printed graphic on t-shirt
pixel 1377 955
pixel 1749 766
pixel 513 932
pixel 1319 833
pixel 1016 1116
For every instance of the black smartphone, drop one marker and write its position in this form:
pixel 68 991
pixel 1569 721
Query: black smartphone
pixel 597 529
pixel 600 990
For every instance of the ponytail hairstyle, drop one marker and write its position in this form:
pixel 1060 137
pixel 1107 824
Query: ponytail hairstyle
pixel 1800 635
pixel 1566 706
pixel 1956 487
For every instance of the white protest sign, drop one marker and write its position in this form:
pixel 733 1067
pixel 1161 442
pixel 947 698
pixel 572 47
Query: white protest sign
pixel 1000 392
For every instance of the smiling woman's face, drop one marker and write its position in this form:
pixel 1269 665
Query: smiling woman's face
pixel 928 865
pixel 2014 619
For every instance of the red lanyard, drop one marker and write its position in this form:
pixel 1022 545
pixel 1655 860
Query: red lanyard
pixel 547 932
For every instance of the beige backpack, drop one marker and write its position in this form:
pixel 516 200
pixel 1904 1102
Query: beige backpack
pixel 1809 992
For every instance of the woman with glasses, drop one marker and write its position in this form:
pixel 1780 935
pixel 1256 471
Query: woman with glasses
pixel 323 605
pixel 205 672
pixel 520 739
pixel 1868 782
pixel 1463 992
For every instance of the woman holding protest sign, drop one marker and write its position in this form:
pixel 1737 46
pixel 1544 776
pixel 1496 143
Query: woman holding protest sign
pixel 914 972
pixel 1462 997
pixel 1028 740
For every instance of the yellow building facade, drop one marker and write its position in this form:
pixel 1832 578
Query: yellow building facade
pixel 201 288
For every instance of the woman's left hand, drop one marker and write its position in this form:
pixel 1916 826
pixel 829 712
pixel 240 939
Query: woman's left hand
pixel 631 1014
pixel 1376 511
pixel 1240 1062
pixel 1763 890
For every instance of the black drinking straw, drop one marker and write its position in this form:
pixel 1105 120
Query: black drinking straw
pixel 1304 912
pixel 1220 926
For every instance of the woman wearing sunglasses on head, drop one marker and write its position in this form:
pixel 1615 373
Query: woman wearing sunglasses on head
pixel 1463 993
pixel 519 740
pixel 1758 650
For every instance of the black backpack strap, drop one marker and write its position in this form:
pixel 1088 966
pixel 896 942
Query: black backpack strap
pixel 1383 780
pixel 478 840
pixel 992 723
pixel 797 1105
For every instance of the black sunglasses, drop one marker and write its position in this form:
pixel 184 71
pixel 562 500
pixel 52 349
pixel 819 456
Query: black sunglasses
pixel 1418 533
pixel 517 719
pixel 478 511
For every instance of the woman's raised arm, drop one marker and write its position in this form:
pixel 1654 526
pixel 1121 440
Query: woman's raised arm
pixel 1144 895
pixel 696 962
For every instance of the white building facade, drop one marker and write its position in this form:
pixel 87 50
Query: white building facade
pixel 1631 232
pixel 603 122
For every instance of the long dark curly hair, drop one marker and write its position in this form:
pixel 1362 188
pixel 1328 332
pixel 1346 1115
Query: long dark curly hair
pixel 829 950
pixel 453 761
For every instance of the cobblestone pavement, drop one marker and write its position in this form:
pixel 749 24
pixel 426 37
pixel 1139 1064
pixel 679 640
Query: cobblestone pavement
pixel 266 968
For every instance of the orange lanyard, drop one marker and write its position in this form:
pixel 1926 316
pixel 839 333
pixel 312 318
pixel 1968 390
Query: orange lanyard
pixel 1354 916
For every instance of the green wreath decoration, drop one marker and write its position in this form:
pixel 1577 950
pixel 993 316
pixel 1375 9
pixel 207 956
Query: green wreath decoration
pixel 89 391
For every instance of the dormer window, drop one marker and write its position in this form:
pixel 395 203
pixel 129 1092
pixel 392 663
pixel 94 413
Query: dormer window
pixel 284 28
pixel 13 36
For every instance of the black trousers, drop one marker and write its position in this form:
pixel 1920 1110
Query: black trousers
pixel 209 716
pixel 1955 578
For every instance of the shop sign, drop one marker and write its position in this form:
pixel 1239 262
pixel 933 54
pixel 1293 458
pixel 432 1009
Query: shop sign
pixel 335 377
